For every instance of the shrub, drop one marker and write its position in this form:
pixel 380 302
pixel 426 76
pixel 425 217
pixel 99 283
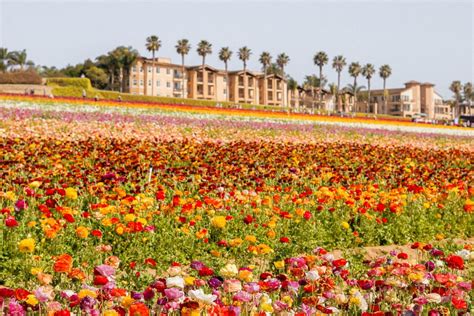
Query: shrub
pixel 20 77
pixel 83 83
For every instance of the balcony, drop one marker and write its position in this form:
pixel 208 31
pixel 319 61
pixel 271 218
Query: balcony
pixel 199 78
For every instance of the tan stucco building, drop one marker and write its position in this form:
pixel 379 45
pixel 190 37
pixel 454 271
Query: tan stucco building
pixel 205 84
pixel 414 99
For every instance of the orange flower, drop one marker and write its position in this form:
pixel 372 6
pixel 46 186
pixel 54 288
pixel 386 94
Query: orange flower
pixel 139 309
pixel 63 263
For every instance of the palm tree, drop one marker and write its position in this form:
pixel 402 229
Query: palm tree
pixel 320 59
pixel 153 44
pixel 224 55
pixel 456 88
pixel 244 55
pixel 334 91
pixel 274 69
pixel 204 48
pixel 125 57
pixel 5 59
pixel 312 82
pixel 282 61
pixel 338 63
pixel 292 85
pixel 385 71
pixel 354 71
pixel 354 89
pixel 468 95
pixel 183 47
pixel 265 59
pixel 368 71
pixel 19 58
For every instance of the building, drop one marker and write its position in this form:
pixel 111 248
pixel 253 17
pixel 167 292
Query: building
pixel 307 99
pixel 159 78
pixel 414 99
pixel 205 83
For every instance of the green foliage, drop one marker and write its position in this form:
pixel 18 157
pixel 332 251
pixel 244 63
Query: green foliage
pixel 83 83
pixel 97 76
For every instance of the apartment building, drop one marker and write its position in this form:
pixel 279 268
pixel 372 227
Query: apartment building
pixel 163 78
pixel 309 98
pixel 158 78
pixel 414 99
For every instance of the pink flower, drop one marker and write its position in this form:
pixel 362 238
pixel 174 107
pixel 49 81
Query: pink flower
pixel 173 293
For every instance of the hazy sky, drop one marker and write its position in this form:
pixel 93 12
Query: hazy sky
pixel 421 40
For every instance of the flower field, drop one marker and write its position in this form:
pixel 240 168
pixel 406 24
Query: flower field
pixel 128 209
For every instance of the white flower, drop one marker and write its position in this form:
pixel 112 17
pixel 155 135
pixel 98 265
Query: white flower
pixel 200 296
pixel 312 275
pixel 229 270
pixel 176 281
pixel 464 253
pixel 433 298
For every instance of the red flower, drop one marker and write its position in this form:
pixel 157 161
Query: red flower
pixel 402 256
pixel 150 261
pixel 160 195
pixel 63 312
pixel 458 303
pixel 248 219
pixel 97 233
pixel 100 280
pixel 339 263
pixel 69 218
pixel 10 221
pixel 307 215
pixel 63 263
pixel 285 240
pixel 21 294
pixel 455 262
pixel 206 271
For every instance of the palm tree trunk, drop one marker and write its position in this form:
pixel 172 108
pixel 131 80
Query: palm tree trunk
pixel 182 74
pixel 153 73
pixel 320 86
pixel 265 85
pixel 226 83
pixel 337 93
pixel 368 95
pixel 121 79
pixel 355 94
pixel 384 97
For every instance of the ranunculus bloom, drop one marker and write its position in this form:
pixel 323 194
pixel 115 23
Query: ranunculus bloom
pixel 63 263
pixel 27 245
pixel 455 262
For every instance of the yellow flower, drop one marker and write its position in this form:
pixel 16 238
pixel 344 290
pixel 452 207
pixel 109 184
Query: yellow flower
pixel 279 264
pixel 271 234
pixel 229 270
pixel 85 292
pixel 27 245
pixel 189 280
pixel 31 300
pixel 267 308
pixel 129 218
pixel 251 238
pixel 34 184
pixel 235 242
pixel 345 225
pixel 31 224
pixel 71 193
pixel 35 271
pixel 215 253
pixel 110 312
pixel 127 301
pixel 107 222
pixel 142 221
pixel 82 232
pixel 218 222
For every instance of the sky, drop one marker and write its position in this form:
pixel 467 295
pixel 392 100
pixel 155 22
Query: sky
pixel 428 41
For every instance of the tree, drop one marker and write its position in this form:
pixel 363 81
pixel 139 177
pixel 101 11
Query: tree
pixel 19 58
pixel 125 57
pixel 313 82
pixel 292 85
pixel 354 71
pixel 282 61
pixel 385 71
pixel 333 90
pixel 468 95
pixel 183 47
pixel 338 63
pixel 368 71
pixel 456 88
pixel 5 59
pixel 244 55
pixel 204 48
pixel 274 69
pixel 97 76
pixel 265 59
pixel 320 59
pixel 153 44
pixel 224 55
pixel 110 64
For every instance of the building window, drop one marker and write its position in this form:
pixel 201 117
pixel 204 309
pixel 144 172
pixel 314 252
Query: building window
pixel 168 84
pixel 225 91
pixel 158 83
pixel 141 69
pixel 157 70
pixel 135 82
pixel 134 69
pixel 168 71
pixel 405 98
pixel 251 93
pixel 279 96
pixel 149 70
pixel 406 107
pixel 149 82
pixel 141 82
pixel 395 98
